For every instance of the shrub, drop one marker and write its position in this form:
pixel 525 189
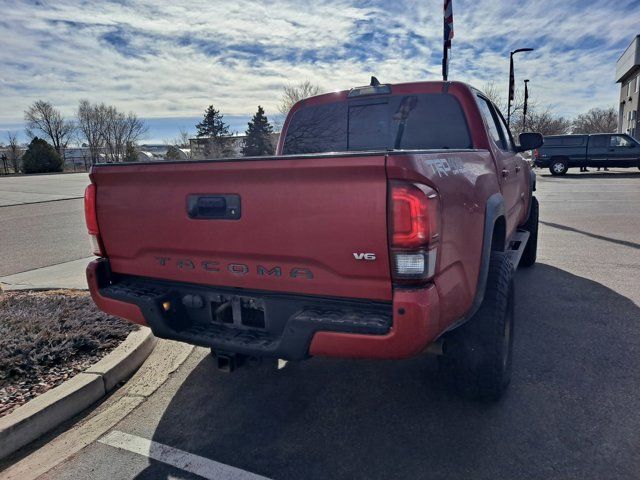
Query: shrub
pixel 41 157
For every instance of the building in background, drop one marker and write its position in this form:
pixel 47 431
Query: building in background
pixel 628 76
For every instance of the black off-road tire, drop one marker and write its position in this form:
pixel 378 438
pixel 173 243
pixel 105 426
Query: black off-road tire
pixel 477 356
pixel 531 250
pixel 558 166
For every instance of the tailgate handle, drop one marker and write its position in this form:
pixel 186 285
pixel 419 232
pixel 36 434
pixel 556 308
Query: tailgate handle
pixel 214 207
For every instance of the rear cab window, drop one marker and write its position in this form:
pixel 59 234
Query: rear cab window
pixel 395 122
pixel 566 141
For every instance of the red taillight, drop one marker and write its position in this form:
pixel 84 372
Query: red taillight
pixel 91 218
pixel 90 210
pixel 410 227
pixel 535 153
pixel 414 231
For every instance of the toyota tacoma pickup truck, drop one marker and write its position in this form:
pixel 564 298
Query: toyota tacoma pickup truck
pixel 562 152
pixel 389 223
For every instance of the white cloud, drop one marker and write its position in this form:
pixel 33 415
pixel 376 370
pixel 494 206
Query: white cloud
pixel 168 58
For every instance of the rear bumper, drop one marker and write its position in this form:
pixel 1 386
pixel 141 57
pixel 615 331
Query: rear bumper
pixel 265 324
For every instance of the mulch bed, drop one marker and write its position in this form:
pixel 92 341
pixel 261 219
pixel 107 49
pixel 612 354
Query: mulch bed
pixel 47 337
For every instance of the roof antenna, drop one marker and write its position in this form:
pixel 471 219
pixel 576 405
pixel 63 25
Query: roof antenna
pixel 374 82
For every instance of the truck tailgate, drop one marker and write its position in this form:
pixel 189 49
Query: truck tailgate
pixel 298 224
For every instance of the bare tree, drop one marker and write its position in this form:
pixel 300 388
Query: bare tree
pixel 500 99
pixel 183 138
pixel 493 93
pixel 179 146
pixel 91 125
pixel 120 133
pixel 14 152
pixel 43 117
pixel 596 120
pixel 546 123
pixel 293 93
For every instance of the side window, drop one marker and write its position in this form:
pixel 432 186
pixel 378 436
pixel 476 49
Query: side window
pixel 552 141
pixel 573 141
pixel 599 141
pixel 489 118
pixel 508 144
pixel 619 141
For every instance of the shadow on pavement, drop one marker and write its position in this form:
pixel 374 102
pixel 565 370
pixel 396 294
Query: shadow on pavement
pixel 572 410
pixel 593 235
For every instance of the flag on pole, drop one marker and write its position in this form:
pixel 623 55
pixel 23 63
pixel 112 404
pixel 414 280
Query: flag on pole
pixel 448 23
pixel 448 35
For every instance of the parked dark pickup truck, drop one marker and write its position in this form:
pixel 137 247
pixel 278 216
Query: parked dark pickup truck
pixel 391 218
pixel 561 152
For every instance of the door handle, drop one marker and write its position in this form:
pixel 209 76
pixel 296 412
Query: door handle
pixel 505 173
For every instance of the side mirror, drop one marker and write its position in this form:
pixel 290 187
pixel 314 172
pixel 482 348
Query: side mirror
pixel 529 141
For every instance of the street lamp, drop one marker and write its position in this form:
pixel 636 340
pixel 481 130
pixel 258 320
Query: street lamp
pixel 524 108
pixel 512 80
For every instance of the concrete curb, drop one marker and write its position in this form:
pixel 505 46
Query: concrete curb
pixel 47 411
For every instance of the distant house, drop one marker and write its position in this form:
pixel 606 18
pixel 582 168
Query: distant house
pixel 628 76
pixel 79 158
pixel 175 153
pixel 199 145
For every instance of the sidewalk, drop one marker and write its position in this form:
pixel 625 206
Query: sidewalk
pixel 64 275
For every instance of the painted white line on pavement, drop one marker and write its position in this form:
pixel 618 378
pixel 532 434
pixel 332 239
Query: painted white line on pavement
pixel 178 458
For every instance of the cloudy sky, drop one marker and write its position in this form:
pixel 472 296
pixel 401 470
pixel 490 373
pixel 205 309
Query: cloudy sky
pixel 167 60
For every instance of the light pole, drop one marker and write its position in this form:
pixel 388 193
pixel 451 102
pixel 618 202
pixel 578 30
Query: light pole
pixel 524 108
pixel 512 81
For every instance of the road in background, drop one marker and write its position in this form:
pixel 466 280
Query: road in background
pixel 571 411
pixel 41 221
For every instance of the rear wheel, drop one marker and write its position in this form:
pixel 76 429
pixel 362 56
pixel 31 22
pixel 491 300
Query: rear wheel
pixel 558 167
pixel 477 356
pixel 531 249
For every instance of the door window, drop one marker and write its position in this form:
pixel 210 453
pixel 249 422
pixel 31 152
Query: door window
pixel 506 134
pixel 490 119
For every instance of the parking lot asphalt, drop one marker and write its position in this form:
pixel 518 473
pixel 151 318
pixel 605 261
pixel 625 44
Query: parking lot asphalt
pixel 42 234
pixel 572 410
pixel 41 221
pixel 21 189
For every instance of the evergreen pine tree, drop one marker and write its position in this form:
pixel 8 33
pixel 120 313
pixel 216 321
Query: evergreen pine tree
pixel 258 136
pixel 215 132
pixel 41 157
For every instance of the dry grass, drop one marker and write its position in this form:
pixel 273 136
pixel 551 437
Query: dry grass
pixel 47 337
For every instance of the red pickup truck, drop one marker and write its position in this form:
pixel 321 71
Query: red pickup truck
pixel 389 221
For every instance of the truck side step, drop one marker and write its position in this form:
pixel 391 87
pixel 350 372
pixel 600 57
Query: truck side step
pixel 516 246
